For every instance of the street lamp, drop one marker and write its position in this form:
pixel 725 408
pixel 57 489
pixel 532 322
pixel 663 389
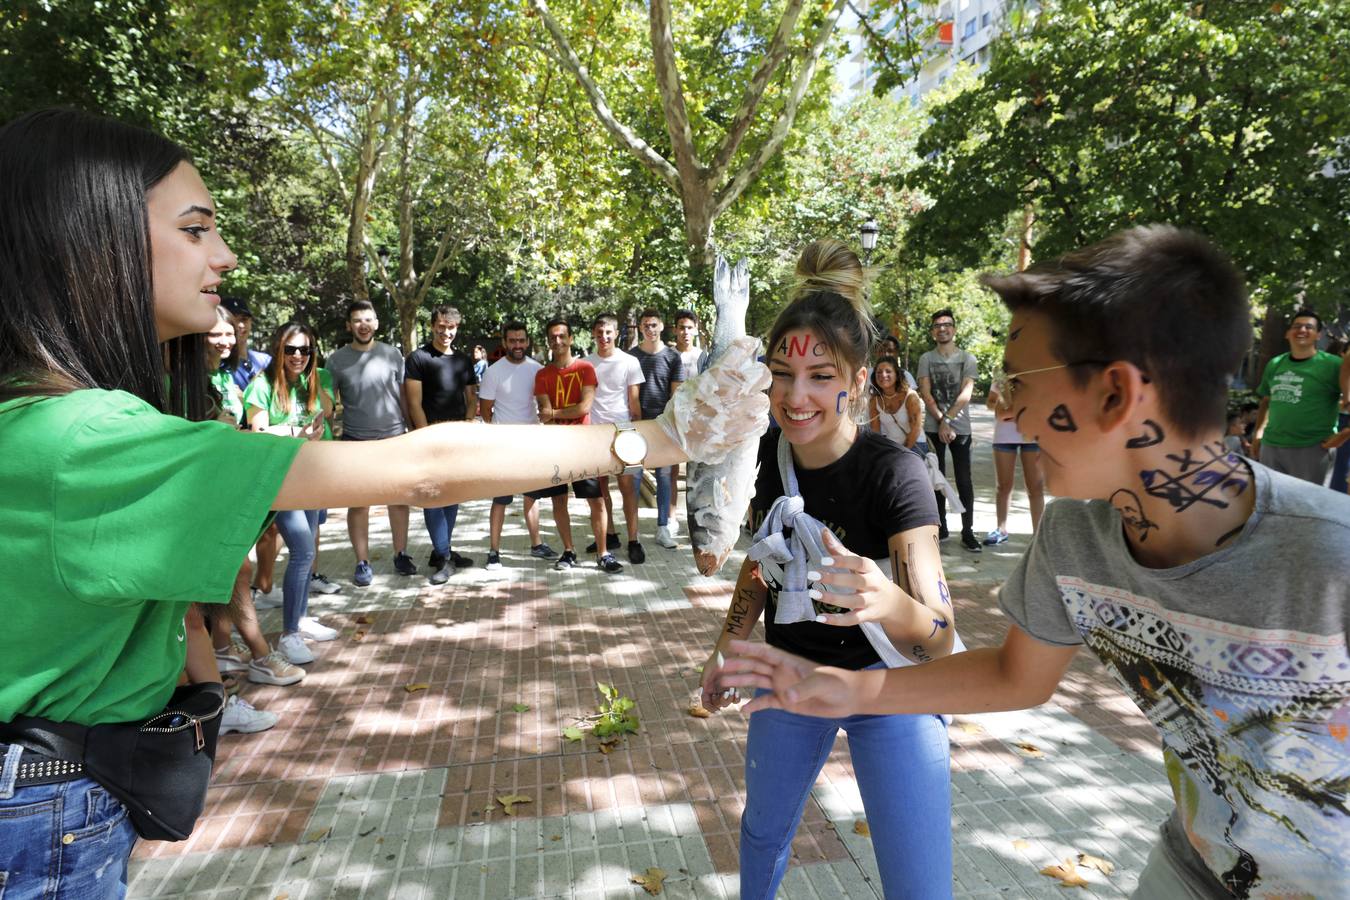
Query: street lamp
pixel 868 233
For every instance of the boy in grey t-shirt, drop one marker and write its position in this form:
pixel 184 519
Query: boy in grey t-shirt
pixel 1212 589
pixel 946 380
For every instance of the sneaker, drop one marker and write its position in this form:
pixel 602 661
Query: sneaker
pixel 542 551
pixel 364 575
pixel 315 630
pixel 264 600
pixel 997 536
pixel 318 584
pixel 436 560
pixel 292 646
pixel 461 562
pixel 494 561
pixel 442 575
pixel 404 565
pixel 234 658
pixel 610 564
pixel 611 543
pixel 240 716
pixel 943 531
pixel 274 669
pixel 566 561
pixel 970 542
pixel 636 555
pixel 663 538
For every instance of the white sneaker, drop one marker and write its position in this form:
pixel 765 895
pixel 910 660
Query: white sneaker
pixel 318 584
pixel 275 669
pixel 234 658
pixel 293 646
pixel 663 537
pixel 315 630
pixel 240 716
pixel 265 601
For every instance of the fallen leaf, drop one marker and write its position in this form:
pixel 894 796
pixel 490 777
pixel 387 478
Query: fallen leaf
pixel 606 748
pixel 282 897
pixel 520 707
pixel 364 619
pixel 555 837
pixel 860 827
pixel 359 635
pixel 698 712
pixel 1088 861
pixel 1067 873
pixel 509 801
pixel 1029 749
pixel 414 688
pixel 652 881
pixel 572 733
pixel 971 727
pixel 1020 844
pixel 317 835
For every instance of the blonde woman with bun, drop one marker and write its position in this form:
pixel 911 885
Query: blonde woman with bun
pixel 843 512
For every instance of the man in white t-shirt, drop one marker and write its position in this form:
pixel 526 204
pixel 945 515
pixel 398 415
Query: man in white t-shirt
pixel 506 395
pixel 617 376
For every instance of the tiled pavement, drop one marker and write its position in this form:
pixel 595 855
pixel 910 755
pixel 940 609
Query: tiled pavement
pixel 367 789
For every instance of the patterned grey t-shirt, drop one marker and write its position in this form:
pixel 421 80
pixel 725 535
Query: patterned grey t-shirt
pixel 946 374
pixel 1239 659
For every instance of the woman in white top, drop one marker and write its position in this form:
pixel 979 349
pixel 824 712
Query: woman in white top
pixel 894 407
pixel 1007 442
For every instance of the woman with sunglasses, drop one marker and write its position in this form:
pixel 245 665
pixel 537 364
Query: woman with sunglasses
pixel 294 397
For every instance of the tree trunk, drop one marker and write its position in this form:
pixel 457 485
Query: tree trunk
pixel 698 236
pixel 367 169
pixel 1271 343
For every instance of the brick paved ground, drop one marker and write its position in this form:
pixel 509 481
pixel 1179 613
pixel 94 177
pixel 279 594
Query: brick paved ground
pixel 368 790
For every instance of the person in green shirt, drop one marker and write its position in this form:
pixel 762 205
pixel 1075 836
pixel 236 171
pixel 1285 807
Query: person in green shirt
pixel 221 348
pixel 110 260
pixel 1300 394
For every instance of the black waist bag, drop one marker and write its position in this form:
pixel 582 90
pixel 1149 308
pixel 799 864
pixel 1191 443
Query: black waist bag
pixel 159 768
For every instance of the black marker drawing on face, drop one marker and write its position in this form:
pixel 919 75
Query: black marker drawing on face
pixel 1061 419
pixel 1131 510
pixel 1017 419
pixel 1012 335
pixel 1153 435
pixel 818 349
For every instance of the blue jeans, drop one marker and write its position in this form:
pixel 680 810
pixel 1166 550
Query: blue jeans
pixel 441 526
pixel 67 840
pixel 902 766
pixel 665 480
pixel 297 527
pixel 1340 466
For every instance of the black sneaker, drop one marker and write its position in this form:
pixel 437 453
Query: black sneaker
pixel 461 562
pixel 542 551
pixel 611 543
pixel 970 542
pixel 404 565
pixel 566 561
pixel 494 561
pixel 943 533
pixel 436 561
pixel 610 564
pixel 636 555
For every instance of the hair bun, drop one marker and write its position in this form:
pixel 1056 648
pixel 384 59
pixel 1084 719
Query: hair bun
pixel 828 266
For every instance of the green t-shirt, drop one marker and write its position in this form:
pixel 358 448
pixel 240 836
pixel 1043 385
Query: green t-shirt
pixel 231 400
pixel 260 395
pixel 1304 395
pixel 115 517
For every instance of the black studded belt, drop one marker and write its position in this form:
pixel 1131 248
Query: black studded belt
pixel 35 769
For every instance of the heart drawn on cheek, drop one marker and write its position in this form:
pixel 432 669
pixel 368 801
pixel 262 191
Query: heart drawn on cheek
pixel 1061 419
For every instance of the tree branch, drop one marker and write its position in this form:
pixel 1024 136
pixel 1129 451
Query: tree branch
pixel 622 134
pixel 754 91
pixel 672 94
pixel 727 194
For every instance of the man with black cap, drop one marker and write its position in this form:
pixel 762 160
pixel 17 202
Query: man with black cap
pixel 251 362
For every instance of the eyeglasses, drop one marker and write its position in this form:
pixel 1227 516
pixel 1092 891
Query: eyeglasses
pixel 1005 382
pixel 937 325
pixel 304 350
pixel 1303 326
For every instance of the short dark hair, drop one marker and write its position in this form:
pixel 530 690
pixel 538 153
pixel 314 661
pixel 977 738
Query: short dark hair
pixel 1306 313
pixel 446 312
pixel 553 323
pixel 943 312
pixel 686 314
pixel 515 325
pixel 605 317
pixel 357 306
pixel 651 312
pixel 1138 297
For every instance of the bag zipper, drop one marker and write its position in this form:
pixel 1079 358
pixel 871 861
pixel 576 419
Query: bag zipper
pixel 175 725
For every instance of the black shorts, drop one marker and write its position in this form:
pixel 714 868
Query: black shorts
pixel 557 490
pixel 586 489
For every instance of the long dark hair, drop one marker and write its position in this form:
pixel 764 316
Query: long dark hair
pixel 76 293
pixel 276 369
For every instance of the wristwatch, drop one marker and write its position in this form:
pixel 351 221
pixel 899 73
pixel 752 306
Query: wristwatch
pixel 630 447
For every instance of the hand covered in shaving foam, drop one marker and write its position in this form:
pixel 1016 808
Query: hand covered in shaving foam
pixel 723 408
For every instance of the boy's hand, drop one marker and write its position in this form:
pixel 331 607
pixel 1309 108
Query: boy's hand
pixel 798 685
pixel 1337 439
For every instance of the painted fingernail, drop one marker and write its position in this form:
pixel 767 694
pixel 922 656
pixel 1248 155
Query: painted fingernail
pixel 812 576
pixel 827 560
pixel 824 620
pixel 814 594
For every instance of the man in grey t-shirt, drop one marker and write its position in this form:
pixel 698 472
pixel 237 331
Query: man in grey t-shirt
pixel 1215 591
pixel 946 379
pixel 368 375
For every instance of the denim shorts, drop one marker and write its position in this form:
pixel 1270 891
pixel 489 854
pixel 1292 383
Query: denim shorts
pixel 1028 447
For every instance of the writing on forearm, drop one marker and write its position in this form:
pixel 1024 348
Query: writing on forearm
pixel 559 477
pixel 920 654
pixel 741 604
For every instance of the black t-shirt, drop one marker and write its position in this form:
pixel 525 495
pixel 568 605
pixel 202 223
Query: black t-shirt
pixel 873 491
pixel 660 369
pixel 444 377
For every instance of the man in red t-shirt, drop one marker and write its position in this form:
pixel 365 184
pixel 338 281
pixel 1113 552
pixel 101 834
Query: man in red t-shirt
pixel 564 390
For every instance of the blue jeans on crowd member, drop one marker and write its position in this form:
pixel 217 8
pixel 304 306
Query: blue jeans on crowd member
pixel 441 526
pixel 665 481
pixel 902 764
pixel 1340 466
pixel 71 839
pixel 297 527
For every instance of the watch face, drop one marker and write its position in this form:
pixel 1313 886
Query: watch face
pixel 630 447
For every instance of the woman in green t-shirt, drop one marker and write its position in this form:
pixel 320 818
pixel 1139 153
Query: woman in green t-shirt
pixel 109 264
pixel 223 347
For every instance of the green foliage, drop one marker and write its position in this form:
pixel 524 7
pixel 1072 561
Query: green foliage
pixel 616 713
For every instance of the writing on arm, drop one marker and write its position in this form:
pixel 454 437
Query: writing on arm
pixel 927 629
